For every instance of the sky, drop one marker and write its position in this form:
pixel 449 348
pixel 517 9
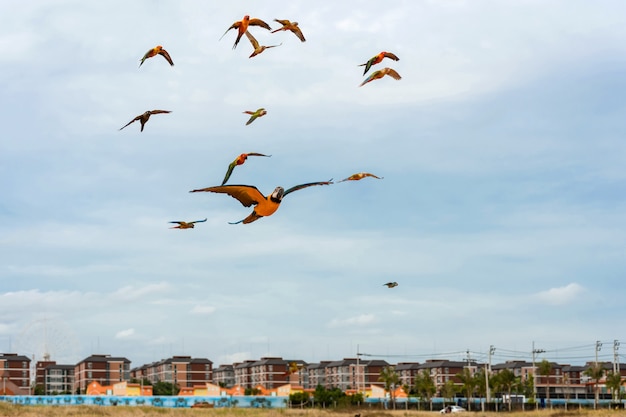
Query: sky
pixel 500 213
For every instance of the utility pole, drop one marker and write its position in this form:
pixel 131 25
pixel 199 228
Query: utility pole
pixel 535 351
pixel 488 372
pixel 598 349
pixel 616 367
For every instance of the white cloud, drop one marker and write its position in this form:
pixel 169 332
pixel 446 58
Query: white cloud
pixel 130 292
pixel 125 334
pixel 361 320
pixel 203 309
pixel 561 295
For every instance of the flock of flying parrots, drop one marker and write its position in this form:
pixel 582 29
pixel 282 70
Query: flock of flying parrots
pixel 248 195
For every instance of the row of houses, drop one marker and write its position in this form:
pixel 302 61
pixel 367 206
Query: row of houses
pixel 271 373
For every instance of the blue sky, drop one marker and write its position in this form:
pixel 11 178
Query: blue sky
pixel 500 215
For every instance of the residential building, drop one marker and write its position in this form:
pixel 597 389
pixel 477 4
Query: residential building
pixel 58 379
pixel 104 369
pixel 182 371
pixel 316 374
pixel 407 371
pixel 224 376
pixel 442 371
pixel 243 375
pixel 14 374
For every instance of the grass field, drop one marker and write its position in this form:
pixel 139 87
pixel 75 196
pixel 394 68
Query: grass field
pixel 80 411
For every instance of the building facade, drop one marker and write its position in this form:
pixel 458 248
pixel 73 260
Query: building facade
pixel 104 369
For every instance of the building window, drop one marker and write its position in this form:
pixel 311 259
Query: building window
pixel 89 365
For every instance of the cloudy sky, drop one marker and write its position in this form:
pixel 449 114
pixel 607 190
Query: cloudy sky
pixel 501 213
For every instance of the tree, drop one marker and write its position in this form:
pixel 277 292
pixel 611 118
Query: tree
pixel 448 390
pixel 595 372
pixel 425 386
pixel 391 379
pixel 545 369
pixel 164 388
pixel 468 385
pixel 614 383
pixel 505 380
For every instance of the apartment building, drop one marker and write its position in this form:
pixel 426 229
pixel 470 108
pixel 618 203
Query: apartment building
pixel 442 371
pixel 14 374
pixel 58 379
pixel 224 376
pixel 182 371
pixel 316 373
pixel 104 369
pixel 243 374
pixel 407 371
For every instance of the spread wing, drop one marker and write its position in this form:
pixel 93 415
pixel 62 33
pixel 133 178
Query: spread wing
pixel 247 195
pixel 159 111
pixel 310 184
pixel 233 26
pixel 283 22
pixel 393 74
pixel 253 41
pixel 257 154
pixel 199 221
pixel 166 56
pixel 134 120
pixel 392 56
pixel 298 32
pixel 258 22
pixel 178 222
pixel 231 167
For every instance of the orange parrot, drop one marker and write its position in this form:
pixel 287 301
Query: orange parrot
pixel 157 50
pixel 186 225
pixel 249 195
pixel 143 118
pixel 380 74
pixel 239 161
pixel 292 26
pixel 255 44
pixel 377 59
pixel 242 27
pixel 360 176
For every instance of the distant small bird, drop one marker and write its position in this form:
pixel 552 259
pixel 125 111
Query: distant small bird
pixel 143 118
pixel 239 161
pixel 391 284
pixel 157 50
pixel 292 26
pixel 186 225
pixel 255 44
pixel 249 195
pixel 360 176
pixel 380 74
pixel 242 26
pixel 255 114
pixel 377 59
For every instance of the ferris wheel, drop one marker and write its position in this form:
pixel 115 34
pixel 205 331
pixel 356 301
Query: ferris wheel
pixel 48 340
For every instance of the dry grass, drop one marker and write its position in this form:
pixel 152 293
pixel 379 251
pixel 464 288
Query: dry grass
pixel 11 410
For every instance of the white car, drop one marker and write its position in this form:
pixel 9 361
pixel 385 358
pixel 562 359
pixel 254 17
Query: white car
pixel 452 409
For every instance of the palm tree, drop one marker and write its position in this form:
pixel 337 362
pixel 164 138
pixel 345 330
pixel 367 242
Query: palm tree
pixel 545 369
pixel 391 379
pixel 425 386
pixel 614 383
pixel 506 380
pixel 448 390
pixel 595 372
pixel 469 385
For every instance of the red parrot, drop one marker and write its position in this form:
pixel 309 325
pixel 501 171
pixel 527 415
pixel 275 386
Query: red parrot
pixel 380 74
pixel 377 59
pixel 157 50
pixel 249 195
pixel 239 161
pixel 242 27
